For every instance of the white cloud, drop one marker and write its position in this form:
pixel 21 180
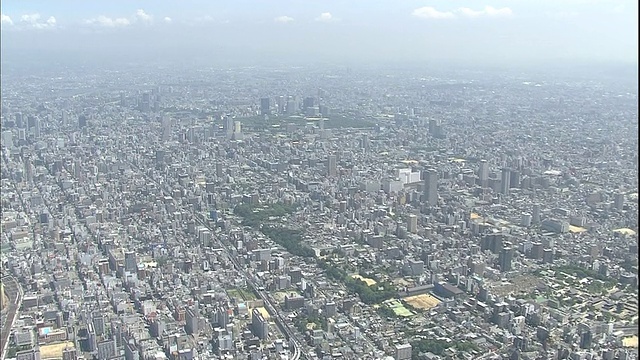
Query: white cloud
pixel 139 16
pixel 143 16
pixel 108 22
pixel 5 20
pixel 325 17
pixel 487 11
pixel 34 21
pixel 428 12
pixel 167 19
pixel 284 19
pixel 30 18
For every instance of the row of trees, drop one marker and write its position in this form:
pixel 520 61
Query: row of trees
pixel 254 217
pixel 373 294
pixel 438 347
pixel 290 239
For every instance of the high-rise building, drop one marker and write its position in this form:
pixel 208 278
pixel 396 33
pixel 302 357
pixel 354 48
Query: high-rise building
pixel 514 181
pixel 332 167
pixel 618 201
pixel 431 187
pixel 280 104
pixel 403 352
pixel 505 258
pixel 191 322
pixel 308 102
pixel 505 184
pixel 292 107
pixel 412 223
pixel 20 120
pixel 366 144
pixel 265 106
pixel 483 173
pixel 97 319
pixel 106 349
pixel 536 214
pixel 28 169
pixel 228 126
pixel 166 128
pixel 145 105
pixel 82 121
pixel 69 354
pixel 259 325
pixel 130 262
pixel 237 130
pixel 36 128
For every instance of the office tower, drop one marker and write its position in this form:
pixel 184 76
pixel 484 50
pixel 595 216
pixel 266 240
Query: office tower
pixel 82 121
pixel 265 106
pixel 31 122
pixel 130 262
pixel 525 220
pixel 219 170
pixel 145 105
pixel 505 258
pixel 166 128
pixel 514 181
pixel 431 187
pixel 412 224
pixel 237 130
pixel 332 167
pixel 123 99
pixel 366 144
pixel 585 339
pixel 228 126
pixel 191 322
pixel 28 169
pixel 618 201
pixel 36 128
pixel 308 102
pixel 280 104
pixel 65 118
pixel 321 124
pixel 433 126
pixel 506 181
pixel 483 173
pixel 259 325
pixel 292 107
pixel 536 214
pixel 98 323
pixel 537 250
pixel 324 110
pixel 19 120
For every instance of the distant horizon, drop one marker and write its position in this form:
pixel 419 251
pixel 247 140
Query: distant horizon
pixel 499 33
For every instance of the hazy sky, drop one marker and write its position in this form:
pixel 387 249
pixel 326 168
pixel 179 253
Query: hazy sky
pixel 367 31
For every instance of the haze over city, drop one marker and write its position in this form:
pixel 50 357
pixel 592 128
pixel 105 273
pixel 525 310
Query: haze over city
pixel 319 180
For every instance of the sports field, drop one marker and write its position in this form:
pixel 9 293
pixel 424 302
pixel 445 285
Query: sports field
pixel 422 302
pixel 54 351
